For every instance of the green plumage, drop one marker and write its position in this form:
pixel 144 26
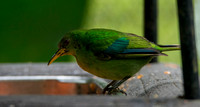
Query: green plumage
pixel 111 54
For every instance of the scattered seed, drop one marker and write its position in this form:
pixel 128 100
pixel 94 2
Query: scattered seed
pixel 167 72
pixel 140 76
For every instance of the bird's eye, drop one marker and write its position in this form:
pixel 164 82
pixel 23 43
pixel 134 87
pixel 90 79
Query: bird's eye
pixel 63 43
pixel 66 42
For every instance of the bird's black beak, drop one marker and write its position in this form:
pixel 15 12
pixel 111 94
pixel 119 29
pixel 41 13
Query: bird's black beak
pixel 59 53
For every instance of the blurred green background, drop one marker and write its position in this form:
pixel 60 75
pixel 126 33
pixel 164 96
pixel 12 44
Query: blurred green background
pixel 31 29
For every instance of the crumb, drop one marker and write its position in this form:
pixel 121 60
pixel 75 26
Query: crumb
pixel 171 65
pixel 124 90
pixel 167 72
pixel 140 76
pixel 148 65
pixel 155 96
pixel 122 86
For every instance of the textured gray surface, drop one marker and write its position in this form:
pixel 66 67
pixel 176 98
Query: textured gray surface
pixel 30 69
pixel 152 81
pixel 91 101
pixel 156 80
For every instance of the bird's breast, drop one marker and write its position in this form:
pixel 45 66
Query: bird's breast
pixel 110 69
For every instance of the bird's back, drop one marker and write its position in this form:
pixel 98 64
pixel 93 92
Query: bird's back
pixel 98 40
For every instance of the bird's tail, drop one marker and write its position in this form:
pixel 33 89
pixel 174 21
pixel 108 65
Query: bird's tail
pixel 169 47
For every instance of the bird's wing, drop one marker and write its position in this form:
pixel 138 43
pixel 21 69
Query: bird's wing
pixel 134 53
pixel 122 48
pixel 120 45
pixel 138 47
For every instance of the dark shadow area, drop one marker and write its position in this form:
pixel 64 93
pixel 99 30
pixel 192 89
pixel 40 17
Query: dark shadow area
pixel 30 30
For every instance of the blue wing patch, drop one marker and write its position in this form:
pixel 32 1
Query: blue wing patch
pixel 140 51
pixel 118 46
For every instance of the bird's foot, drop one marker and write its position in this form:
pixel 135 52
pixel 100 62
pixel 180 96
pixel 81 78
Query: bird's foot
pixel 113 91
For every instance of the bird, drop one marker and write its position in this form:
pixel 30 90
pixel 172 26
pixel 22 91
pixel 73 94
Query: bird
pixel 110 54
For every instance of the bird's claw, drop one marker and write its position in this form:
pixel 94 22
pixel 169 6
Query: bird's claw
pixel 113 91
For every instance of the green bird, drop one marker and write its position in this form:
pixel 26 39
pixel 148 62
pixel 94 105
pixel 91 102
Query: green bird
pixel 110 54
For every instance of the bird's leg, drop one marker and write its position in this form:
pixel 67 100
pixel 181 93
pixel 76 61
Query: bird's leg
pixel 109 85
pixel 113 86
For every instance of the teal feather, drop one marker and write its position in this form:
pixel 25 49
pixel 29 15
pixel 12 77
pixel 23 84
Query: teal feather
pixel 118 46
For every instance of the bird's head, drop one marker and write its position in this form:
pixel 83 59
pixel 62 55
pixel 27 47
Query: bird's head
pixel 64 48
